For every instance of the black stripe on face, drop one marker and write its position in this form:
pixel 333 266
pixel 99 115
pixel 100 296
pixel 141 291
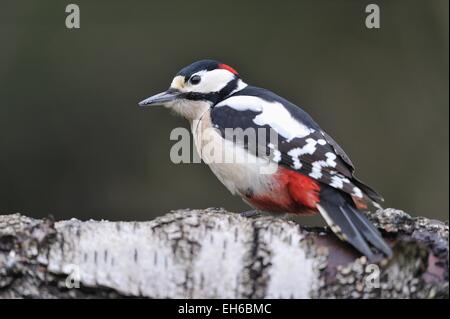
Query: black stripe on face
pixel 230 87
pixel 213 97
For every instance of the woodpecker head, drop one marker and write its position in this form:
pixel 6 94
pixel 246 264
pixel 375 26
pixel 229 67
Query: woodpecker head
pixel 197 87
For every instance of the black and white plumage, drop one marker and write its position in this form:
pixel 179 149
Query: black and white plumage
pixel 302 145
pixel 313 173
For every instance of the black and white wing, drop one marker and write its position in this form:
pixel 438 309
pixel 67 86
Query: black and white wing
pixel 300 145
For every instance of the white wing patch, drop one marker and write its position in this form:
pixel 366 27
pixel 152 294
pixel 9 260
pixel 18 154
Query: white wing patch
pixel 357 192
pixel 308 148
pixel 277 156
pixel 301 148
pixel 337 181
pixel 273 114
pixel 316 171
pixel 276 153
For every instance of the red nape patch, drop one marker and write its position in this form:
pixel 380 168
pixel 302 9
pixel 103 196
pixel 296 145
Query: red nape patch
pixel 227 67
pixel 302 189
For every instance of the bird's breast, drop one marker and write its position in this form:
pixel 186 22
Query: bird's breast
pixel 260 182
pixel 239 170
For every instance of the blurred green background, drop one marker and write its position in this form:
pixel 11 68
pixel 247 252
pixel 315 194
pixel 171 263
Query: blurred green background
pixel 73 142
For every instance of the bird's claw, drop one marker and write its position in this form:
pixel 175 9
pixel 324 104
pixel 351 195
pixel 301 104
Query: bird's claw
pixel 250 213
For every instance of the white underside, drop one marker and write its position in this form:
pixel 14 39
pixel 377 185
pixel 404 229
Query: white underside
pixel 241 172
pixel 244 174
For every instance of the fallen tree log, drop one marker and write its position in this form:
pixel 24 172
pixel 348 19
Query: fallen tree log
pixel 213 253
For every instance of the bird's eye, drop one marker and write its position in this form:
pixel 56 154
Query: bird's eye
pixel 195 79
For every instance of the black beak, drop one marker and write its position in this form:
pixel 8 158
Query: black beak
pixel 161 98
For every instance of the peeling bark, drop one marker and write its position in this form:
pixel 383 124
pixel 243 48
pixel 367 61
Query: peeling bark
pixel 213 253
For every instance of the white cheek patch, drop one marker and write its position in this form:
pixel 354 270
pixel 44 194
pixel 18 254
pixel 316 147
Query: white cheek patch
pixel 273 114
pixel 211 81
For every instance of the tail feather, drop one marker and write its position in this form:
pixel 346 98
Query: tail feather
pixel 350 224
pixel 342 225
pixel 369 232
pixel 373 195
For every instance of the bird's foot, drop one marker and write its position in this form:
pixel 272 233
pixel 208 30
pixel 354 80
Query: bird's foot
pixel 250 213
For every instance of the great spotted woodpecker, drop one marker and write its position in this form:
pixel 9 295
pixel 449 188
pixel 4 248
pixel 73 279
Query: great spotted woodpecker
pixel 313 173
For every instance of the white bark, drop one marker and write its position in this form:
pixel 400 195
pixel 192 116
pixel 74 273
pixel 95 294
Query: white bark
pixel 216 254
